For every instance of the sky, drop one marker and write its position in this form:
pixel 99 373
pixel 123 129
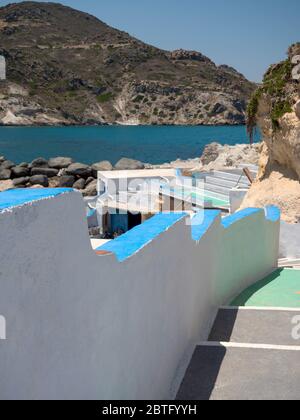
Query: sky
pixel 246 34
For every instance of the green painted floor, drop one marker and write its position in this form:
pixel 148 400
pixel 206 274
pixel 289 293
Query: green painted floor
pixel 216 202
pixel 280 289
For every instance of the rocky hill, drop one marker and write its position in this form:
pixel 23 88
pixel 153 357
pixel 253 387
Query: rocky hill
pixel 275 108
pixel 67 67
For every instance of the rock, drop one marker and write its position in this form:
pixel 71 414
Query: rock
pixel 90 190
pixel 79 184
pixel 297 109
pixel 210 153
pixel 41 180
pixel 278 189
pixel 2 159
pixel 105 165
pixel 19 171
pixel 39 163
pixel 49 172
pixel 129 164
pixel 60 162
pixel 189 55
pixel 79 169
pixel 89 180
pixel 7 164
pixel 21 181
pixel 5 174
pixel 23 165
pixel 54 182
pixel 6 185
pixel 66 181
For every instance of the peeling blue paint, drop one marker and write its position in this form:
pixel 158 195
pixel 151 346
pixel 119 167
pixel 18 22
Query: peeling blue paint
pixel 131 242
pixel 273 213
pixel 202 221
pixel 230 220
pixel 16 198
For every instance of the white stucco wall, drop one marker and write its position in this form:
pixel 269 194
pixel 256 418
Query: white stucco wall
pixel 289 241
pixel 83 326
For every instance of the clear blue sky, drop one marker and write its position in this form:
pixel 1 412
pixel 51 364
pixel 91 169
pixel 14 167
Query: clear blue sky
pixel 246 34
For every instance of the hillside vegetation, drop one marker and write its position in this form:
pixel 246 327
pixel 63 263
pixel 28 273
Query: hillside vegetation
pixel 68 67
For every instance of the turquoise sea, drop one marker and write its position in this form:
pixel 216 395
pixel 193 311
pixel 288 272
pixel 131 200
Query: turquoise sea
pixel 151 144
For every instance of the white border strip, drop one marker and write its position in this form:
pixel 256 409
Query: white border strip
pixel 259 308
pixel 248 346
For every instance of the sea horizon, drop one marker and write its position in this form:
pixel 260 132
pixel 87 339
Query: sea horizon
pixel 154 144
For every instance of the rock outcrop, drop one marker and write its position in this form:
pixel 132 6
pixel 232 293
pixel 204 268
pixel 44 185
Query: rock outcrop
pixel 47 47
pixel 275 109
pixel 64 173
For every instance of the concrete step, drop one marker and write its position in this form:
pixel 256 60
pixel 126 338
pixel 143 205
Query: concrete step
pixel 255 325
pixel 289 262
pixel 211 194
pixel 217 189
pixel 225 182
pixel 252 168
pixel 206 193
pixel 231 176
pixel 221 371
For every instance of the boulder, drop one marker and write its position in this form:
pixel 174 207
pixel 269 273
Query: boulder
pixel 66 181
pixel 23 165
pixel 18 182
pixel 105 165
pixel 129 164
pixel 210 153
pixel 49 172
pixel 6 185
pixel 79 169
pixel 5 174
pixel 39 180
pixel 60 162
pixel 79 184
pixel 54 182
pixel 89 180
pixel 2 159
pixel 90 190
pixel 39 163
pixel 7 164
pixel 19 172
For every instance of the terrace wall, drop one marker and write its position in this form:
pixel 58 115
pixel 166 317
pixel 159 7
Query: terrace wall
pixel 119 326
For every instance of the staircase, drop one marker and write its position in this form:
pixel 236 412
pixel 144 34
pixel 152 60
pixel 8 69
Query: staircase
pixel 250 355
pixel 221 182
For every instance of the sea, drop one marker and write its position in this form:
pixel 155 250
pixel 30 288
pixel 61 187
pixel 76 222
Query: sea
pixel 150 144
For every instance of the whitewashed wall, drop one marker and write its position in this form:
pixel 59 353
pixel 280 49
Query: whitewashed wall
pixel 289 240
pixel 83 326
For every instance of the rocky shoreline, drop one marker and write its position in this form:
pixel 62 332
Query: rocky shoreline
pixel 63 172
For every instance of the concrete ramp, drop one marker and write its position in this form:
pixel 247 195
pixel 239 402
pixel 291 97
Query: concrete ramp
pixel 251 354
pixel 220 372
pixel 255 326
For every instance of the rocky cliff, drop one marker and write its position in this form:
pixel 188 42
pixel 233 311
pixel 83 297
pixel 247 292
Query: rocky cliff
pixel 67 67
pixel 275 108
